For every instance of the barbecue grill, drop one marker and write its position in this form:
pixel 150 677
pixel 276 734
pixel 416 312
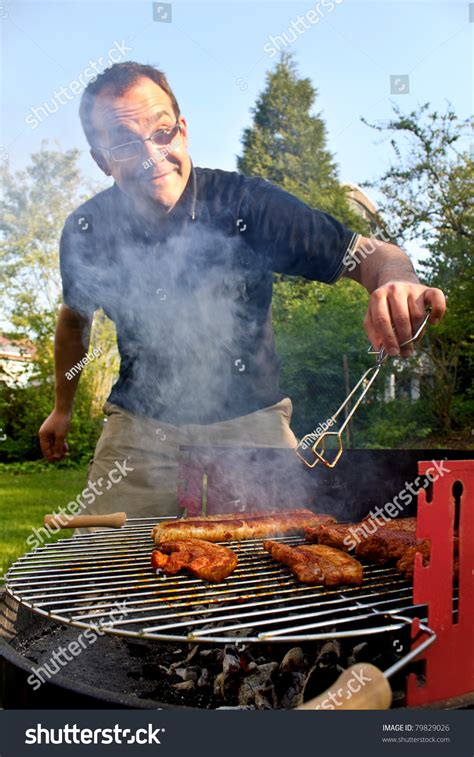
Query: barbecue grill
pixel 80 581
pixel 77 583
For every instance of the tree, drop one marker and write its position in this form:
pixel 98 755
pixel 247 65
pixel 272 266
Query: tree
pixel 286 144
pixel 427 195
pixel 314 324
pixel 35 204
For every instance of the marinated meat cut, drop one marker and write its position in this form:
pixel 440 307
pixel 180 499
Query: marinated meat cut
pixel 385 545
pixel 406 563
pixel 331 535
pixel 317 563
pixel 345 535
pixel 203 559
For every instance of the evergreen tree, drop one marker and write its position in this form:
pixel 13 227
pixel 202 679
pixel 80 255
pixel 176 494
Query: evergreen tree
pixel 286 144
pixel 314 324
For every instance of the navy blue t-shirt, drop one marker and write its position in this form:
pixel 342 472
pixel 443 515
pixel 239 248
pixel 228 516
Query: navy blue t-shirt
pixel 190 295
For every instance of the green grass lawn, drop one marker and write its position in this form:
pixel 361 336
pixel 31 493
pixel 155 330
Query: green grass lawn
pixel 24 499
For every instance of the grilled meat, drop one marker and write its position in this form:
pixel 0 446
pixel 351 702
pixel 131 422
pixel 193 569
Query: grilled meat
pixel 406 563
pixel 394 540
pixel 344 535
pixel 203 559
pixel 400 524
pixel 385 545
pixel 317 563
pixel 331 535
pixel 231 527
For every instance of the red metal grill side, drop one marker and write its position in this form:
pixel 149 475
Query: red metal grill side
pixel 449 662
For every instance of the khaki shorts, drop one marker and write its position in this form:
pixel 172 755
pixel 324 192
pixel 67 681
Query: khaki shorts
pixel 147 484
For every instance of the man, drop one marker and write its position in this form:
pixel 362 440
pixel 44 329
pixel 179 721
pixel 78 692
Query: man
pixel 181 259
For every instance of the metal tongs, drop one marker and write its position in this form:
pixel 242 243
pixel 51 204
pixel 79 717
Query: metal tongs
pixel 315 443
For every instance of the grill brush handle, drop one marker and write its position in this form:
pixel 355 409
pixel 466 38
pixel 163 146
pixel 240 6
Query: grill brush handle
pixel 360 687
pixel 112 520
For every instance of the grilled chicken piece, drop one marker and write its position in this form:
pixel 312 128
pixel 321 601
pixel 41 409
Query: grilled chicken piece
pixel 343 535
pixel 203 559
pixel 232 527
pixel 317 563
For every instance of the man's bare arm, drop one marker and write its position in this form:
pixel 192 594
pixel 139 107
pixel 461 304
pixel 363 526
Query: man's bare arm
pixel 71 342
pixel 398 300
pixel 70 346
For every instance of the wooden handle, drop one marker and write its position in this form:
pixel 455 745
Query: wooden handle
pixel 113 520
pixel 360 687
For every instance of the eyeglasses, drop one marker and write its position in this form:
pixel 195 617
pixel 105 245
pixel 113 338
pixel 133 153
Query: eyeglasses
pixel 130 150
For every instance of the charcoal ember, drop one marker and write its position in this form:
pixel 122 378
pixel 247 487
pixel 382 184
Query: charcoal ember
pixel 293 690
pixel 194 650
pixel 322 674
pixel 226 682
pixel 181 672
pixel 249 667
pixel 360 653
pixel 225 686
pixel 294 660
pixel 213 656
pixel 258 682
pixel 203 679
pixel 231 661
pixel 219 685
pixel 329 654
pixel 191 673
pixel 262 659
pixel 184 685
pixel 262 702
pixel 247 663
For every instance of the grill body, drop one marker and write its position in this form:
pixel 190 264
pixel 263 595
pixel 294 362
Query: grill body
pixel 76 584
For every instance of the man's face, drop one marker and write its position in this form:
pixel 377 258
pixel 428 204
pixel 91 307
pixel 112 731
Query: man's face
pixel 141 110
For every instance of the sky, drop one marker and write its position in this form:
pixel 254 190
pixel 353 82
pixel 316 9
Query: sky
pixel 216 56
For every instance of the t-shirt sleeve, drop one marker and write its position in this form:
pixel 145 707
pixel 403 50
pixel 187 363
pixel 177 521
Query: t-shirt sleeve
pixel 78 260
pixel 294 238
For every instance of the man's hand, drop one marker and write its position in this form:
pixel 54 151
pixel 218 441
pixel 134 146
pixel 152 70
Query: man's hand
pixel 52 436
pixel 398 301
pixel 395 311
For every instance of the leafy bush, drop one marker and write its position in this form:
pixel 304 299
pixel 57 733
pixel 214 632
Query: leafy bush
pixel 22 411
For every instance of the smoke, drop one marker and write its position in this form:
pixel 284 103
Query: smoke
pixel 194 330
pixel 186 310
pixel 184 317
